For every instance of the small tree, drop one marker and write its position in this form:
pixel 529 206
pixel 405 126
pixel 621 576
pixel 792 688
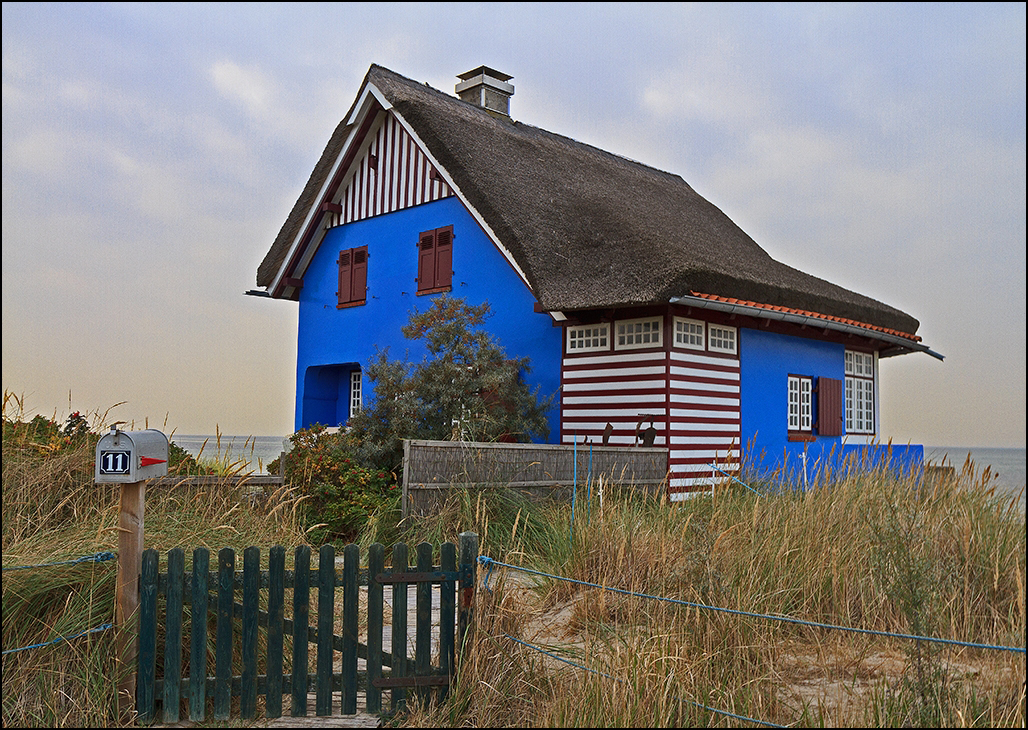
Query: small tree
pixel 467 388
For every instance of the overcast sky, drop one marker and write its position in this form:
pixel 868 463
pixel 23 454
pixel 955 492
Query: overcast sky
pixel 152 152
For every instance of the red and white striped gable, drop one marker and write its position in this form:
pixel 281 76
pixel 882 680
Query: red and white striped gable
pixel 381 169
pixel 392 174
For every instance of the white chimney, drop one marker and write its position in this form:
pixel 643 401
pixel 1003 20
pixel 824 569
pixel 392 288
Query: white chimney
pixel 487 88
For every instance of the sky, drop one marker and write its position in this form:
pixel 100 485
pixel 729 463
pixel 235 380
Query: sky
pixel 151 153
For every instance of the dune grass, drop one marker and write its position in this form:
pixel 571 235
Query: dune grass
pixel 870 550
pixel 53 511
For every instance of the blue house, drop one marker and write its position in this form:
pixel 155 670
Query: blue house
pixel 643 305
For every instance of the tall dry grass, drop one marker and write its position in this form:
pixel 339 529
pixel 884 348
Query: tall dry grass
pixel 54 511
pixel 863 549
pixel 868 550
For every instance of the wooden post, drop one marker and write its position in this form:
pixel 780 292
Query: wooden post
pixel 468 561
pixel 405 499
pixel 130 552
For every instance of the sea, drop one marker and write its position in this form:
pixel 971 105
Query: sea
pixel 1006 465
pixel 256 452
pixel 253 453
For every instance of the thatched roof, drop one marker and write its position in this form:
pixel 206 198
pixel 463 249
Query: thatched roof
pixel 590 229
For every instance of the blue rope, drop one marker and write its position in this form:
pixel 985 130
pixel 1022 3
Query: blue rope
pixel 736 480
pixel 618 679
pixel 787 619
pixel 97 558
pixel 104 627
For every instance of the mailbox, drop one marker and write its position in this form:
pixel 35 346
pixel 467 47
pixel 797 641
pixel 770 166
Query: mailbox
pixel 131 456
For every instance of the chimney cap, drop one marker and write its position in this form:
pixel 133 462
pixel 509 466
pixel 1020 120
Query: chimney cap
pixel 484 71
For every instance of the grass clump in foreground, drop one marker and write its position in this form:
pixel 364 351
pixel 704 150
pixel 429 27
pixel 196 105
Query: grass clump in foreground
pixel 868 550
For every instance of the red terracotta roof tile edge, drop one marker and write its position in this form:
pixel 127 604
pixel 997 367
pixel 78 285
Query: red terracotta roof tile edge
pixel 805 313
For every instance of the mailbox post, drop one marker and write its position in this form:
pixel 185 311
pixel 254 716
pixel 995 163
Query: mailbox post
pixel 129 458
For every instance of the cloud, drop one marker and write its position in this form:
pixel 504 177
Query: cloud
pixel 248 86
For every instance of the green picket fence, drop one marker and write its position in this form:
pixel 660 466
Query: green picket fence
pixel 204 603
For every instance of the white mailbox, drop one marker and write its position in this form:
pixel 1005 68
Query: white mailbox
pixel 131 456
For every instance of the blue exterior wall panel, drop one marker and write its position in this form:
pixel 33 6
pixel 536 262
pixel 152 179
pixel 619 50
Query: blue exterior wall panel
pixel 766 359
pixel 332 342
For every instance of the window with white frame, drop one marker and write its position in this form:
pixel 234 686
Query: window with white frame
pixel 860 392
pixel 634 333
pixel 721 338
pixel 589 338
pixel 690 333
pixel 355 392
pixel 801 388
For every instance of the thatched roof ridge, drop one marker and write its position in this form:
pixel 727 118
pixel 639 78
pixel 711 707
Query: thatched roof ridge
pixel 589 228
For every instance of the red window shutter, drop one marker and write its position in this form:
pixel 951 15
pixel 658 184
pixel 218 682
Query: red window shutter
pixel 359 275
pixel 345 274
pixel 829 407
pixel 426 261
pixel 444 257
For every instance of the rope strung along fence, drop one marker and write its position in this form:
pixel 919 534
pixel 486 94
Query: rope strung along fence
pixel 716 468
pixel 95 558
pixel 102 627
pixel 489 562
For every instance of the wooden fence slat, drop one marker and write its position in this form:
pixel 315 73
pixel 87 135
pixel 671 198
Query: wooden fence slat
pixel 447 612
pixel 301 619
pixel 173 633
pixel 376 564
pixel 276 612
pixel 398 620
pixel 223 635
pixel 326 627
pixel 251 598
pixel 146 674
pixel 198 636
pixel 423 621
pixel 410 674
pixel 351 566
pixel 468 562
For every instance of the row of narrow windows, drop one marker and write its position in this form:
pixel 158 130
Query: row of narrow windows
pixel 691 334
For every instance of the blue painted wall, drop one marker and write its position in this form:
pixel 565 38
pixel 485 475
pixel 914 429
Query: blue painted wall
pixel 766 359
pixel 332 342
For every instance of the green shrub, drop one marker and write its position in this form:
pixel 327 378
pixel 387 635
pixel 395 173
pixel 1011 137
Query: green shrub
pixel 340 495
pixel 466 388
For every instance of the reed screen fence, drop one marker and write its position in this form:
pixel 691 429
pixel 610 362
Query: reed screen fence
pixel 430 468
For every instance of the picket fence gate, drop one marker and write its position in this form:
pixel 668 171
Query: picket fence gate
pixel 236 629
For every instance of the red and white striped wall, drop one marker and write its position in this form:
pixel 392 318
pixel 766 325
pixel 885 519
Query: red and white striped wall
pixel 620 388
pixel 392 174
pixel 705 425
pixel 691 398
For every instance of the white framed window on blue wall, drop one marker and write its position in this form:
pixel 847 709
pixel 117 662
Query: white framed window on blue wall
pixel 355 392
pixel 860 392
pixel 800 409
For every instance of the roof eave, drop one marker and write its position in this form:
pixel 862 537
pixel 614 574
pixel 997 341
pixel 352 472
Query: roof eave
pixel 896 345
